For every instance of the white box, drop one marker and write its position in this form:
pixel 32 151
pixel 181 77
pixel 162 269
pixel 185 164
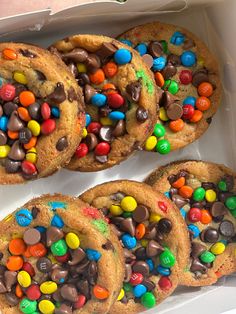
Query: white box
pixel 215 23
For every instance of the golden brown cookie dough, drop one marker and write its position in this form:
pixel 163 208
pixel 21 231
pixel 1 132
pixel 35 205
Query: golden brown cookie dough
pixel 213 216
pixel 183 66
pixel 41 113
pixel 120 98
pixel 70 256
pixel 154 238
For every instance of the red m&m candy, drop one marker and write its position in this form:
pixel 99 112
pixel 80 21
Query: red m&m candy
pixel 48 126
pixel 185 77
pixel 45 111
pixel 82 150
pixel 7 92
pixel 28 167
pixel 33 292
pixel 94 127
pixel 194 214
pixel 165 283
pixel 188 112
pixel 115 100
pixel 102 149
pixel 136 279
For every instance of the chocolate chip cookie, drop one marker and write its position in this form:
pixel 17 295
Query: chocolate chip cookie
pixel 41 113
pixel 120 97
pixel 187 76
pixel 154 238
pixel 58 255
pixel 206 196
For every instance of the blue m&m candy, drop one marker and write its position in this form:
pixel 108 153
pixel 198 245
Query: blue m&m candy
pixel 55 112
pixel 24 217
pixel 88 119
pixel 93 255
pixel 122 56
pixel 177 39
pixel 183 213
pixel 188 58
pixel 194 230
pixel 167 194
pixel 3 123
pixel 41 229
pixel 98 100
pixel 57 222
pixel 150 264
pixel 164 271
pixel 190 100
pixel 128 241
pixel 159 63
pixel 141 48
pixel 116 115
pixel 139 290
pixel 126 42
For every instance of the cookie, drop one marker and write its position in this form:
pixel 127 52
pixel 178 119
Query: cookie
pixel 120 98
pixel 41 113
pixel 154 238
pixel 187 76
pixel 206 196
pixel 58 255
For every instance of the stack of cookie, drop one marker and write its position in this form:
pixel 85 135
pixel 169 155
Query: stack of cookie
pixel 86 104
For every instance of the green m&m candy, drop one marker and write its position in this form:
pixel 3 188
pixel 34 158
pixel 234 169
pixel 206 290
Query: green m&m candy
pixel 59 248
pixel 207 257
pixel 172 86
pixel 127 214
pixel 164 45
pixel 27 306
pixel 148 300
pixel 199 194
pixel 159 130
pixel 222 186
pixel 167 259
pixel 231 203
pixel 163 147
pixel 127 287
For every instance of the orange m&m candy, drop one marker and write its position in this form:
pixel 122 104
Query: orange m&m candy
pixel 26 98
pixel 13 135
pixel 159 79
pixel 140 231
pixel 17 246
pixel 205 89
pixel 100 292
pixel 9 54
pixel 203 103
pixel 110 69
pixel 197 116
pixel 38 250
pixel 14 263
pixel 98 77
pixel 186 191
pixel 19 292
pixel 31 143
pixel 27 253
pixel 179 183
pixel 206 217
pixel 24 114
pixel 109 88
pixel 176 125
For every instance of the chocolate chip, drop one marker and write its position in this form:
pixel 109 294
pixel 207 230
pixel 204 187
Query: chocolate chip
pixel 35 212
pixel 174 59
pixel 40 75
pixel 105 133
pixel 226 228
pixel 188 43
pixel 102 159
pixel 25 135
pixel 210 235
pixel 108 246
pixel 229 180
pixel 91 141
pixel 89 91
pixel 63 309
pixel 141 267
pixel 129 256
pixel 59 275
pixel 133 90
pixel 208 185
pixel 164 226
pixel 128 272
pixel 72 94
pixel 10 278
pixel 1 110
pixel 53 234
pixel 148 60
pixel 167 99
pixel 3 288
pixel 12 299
pixel 83 79
pixel 141 114
pixel 140 253
pixel 17 152
pixel 32 236
pixel 151 231
pixel 15 124
pixel 153 248
pixel 179 201
pixel 82 266
pixel 155 49
pixel 69 292
pixel 150 285
pixel 27 53
pixel 12 166
pixel 92 63
pixel 174 111
pixel 141 213
pixel 106 51
pixel 197 266
pixel 77 55
pixel 169 71
pixel 209 120
pixel 218 209
pixel 119 129
pixel 3 138
pixel 76 256
pixel 73 69
pixel 35 111
pixel 173 191
pixel 197 249
pixel 92 273
pixel 62 144
pixel 104 111
pixel 224 195
pixel 9 107
pixel 127 225
pixel 200 76
pixel 58 95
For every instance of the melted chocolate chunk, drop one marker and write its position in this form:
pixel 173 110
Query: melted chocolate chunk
pixel 58 95
pixel 27 53
pixel 62 144
pixel 72 94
